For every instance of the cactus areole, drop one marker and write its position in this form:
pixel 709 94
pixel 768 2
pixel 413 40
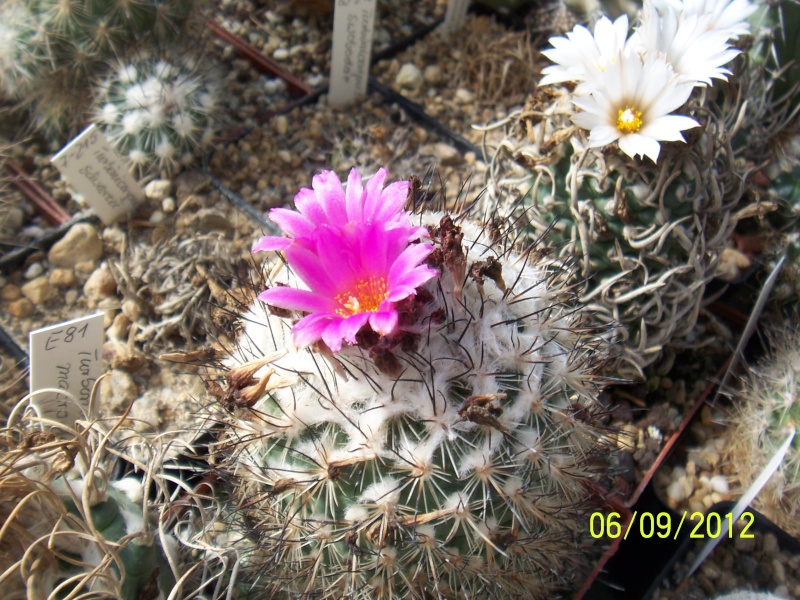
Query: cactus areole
pixel 430 419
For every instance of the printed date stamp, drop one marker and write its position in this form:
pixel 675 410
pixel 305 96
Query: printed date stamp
pixel 711 525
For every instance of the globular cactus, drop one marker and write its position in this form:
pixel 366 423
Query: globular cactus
pixel 449 456
pixel 767 408
pixel 158 112
pixel 21 50
pixel 55 51
pixel 646 233
pixel 70 528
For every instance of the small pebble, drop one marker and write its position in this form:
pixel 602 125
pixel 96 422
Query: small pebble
pixel 158 189
pixel 11 292
pixel 37 290
pixel 409 77
pixel 20 308
pixel 62 278
pixel 464 96
pixel 34 270
pixel 769 545
pixel 82 243
pixel 280 54
pixel 168 205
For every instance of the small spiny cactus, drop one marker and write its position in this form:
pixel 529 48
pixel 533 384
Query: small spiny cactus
pixel 645 234
pixel 52 52
pixel 450 458
pixel 159 112
pixel 767 408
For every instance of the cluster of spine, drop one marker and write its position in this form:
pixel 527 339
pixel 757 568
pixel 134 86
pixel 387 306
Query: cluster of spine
pixel 450 459
pixel 767 409
pixel 646 237
pixel 54 54
pixel 70 529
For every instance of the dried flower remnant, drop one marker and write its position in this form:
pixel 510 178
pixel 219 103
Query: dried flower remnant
pixel 354 253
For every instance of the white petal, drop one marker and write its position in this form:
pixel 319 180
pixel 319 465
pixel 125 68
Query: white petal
pixel 668 128
pixel 603 135
pixel 634 143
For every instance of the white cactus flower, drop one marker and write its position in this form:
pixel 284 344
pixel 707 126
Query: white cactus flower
pixel 583 55
pixel 631 104
pixel 694 49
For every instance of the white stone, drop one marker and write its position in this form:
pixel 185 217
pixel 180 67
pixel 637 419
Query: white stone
pixel 719 484
pixel 464 96
pixel 34 270
pixel 80 244
pixel 158 189
pixel 433 74
pixel 679 489
pixel 409 77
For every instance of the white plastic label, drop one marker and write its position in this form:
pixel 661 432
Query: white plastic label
pixel 353 23
pixel 455 17
pixel 100 174
pixel 66 360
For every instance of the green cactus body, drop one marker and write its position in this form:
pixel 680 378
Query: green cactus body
pixel 158 112
pixel 114 517
pixel 450 459
pixel 645 238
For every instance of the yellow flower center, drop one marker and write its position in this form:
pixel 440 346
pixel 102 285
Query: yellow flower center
pixel 366 296
pixel 629 120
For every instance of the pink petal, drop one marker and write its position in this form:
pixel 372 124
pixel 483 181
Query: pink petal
pixel 309 329
pixel 383 322
pixel 372 194
pixel 292 222
pixel 332 334
pixel 393 198
pixel 330 194
pixel 306 202
pixel 413 279
pixel 408 259
pixel 352 325
pixel 354 196
pixel 400 292
pixel 294 299
pixel 271 242
pixel 307 265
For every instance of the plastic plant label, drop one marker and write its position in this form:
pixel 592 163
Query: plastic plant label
pixel 353 24
pixel 66 360
pixel 455 17
pixel 100 174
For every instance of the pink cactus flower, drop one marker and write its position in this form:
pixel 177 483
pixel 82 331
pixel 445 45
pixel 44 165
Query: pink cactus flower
pixel 356 254
pixel 328 203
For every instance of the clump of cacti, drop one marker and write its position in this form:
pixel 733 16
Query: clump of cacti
pixel 158 112
pixel 429 427
pixel 641 199
pixel 53 52
pixel 71 528
pixel 766 409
